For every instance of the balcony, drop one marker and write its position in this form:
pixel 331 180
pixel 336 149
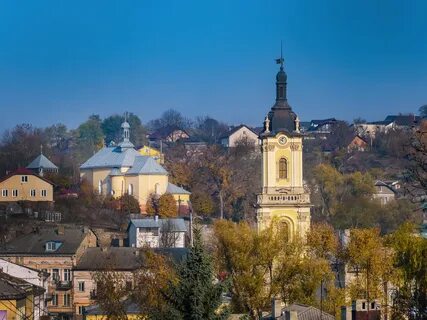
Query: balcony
pixel 283 199
pixel 63 285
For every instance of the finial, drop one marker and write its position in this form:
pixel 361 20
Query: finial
pixel 297 122
pixel 126 116
pixel 280 60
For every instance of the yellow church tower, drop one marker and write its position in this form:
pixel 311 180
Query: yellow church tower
pixel 283 196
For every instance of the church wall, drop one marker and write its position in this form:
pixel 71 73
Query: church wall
pixel 103 176
pixel 148 185
pixel 118 185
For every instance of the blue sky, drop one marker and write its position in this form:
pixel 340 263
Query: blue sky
pixel 61 61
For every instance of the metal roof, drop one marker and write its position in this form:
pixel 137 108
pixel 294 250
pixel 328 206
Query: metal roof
pixel 174 189
pixel 42 162
pixel 173 224
pixel 146 165
pixel 111 157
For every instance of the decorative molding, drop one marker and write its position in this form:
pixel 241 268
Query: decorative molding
pixel 270 147
pixel 294 146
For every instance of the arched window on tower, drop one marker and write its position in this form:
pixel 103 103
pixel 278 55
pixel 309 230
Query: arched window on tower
pixel 283 168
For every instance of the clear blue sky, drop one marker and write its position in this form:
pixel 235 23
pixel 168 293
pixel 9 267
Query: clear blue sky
pixel 61 61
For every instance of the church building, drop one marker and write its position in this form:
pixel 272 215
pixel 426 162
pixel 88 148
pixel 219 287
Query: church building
pixel 283 196
pixel 120 169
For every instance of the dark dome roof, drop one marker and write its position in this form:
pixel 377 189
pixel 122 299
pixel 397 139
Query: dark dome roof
pixel 281 76
pixel 282 118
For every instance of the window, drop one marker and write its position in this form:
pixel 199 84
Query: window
pixel 53 245
pixel 4 192
pixel 55 274
pixel 67 275
pixel 55 299
pixel 33 192
pixel 130 189
pixel 67 300
pixel 14 193
pixel 283 168
pixel 44 193
pixel 81 286
pixel 81 309
pixel 99 187
pixel 24 179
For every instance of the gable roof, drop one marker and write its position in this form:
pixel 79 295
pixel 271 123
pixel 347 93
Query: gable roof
pixel 146 165
pixel 305 312
pixel 42 162
pixel 111 157
pixel 35 243
pixel 174 189
pixel 122 258
pixel 402 120
pixel 235 129
pixel 16 288
pixel 172 224
pixel 24 172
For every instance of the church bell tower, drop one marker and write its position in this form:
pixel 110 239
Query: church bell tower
pixel 283 197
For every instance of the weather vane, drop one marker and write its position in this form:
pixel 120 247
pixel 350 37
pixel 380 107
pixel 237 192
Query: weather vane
pixel 280 60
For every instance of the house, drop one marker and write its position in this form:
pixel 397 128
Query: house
pixel 404 122
pixel 168 134
pixel 357 144
pixel 296 311
pixel 35 277
pixel 121 169
pixel 194 146
pixel 361 309
pixel 56 251
pixel 25 185
pixel 322 126
pixel 125 261
pixel 384 192
pixel 42 165
pixel 152 152
pixel 237 134
pixel 132 309
pixel 17 298
pixel 157 233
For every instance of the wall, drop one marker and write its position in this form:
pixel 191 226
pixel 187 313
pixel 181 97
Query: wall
pixel 24 189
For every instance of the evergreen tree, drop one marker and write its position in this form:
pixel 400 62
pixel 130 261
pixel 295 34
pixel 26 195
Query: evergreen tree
pixel 195 295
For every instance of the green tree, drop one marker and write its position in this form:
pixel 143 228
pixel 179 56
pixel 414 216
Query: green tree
pixel 196 295
pixel 89 137
pixel 111 127
pixel 202 203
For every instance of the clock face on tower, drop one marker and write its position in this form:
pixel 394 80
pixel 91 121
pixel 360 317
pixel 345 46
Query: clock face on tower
pixel 282 140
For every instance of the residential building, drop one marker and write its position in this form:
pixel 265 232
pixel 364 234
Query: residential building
pixel 132 309
pixel 357 144
pixel 384 192
pixel 238 134
pixel 24 185
pixel 56 251
pixel 322 126
pixel 35 277
pixel 296 311
pixel 123 260
pixel 42 165
pixel 152 152
pixel 283 196
pixel 121 169
pixel 156 233
pixel 362 309
pixel 168 134
pixel 404 122
pixel 17 299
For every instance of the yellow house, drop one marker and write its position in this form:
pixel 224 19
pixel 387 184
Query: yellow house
pixel 283 195
pixel 152 152
pixel 17 298
pixel 121 169
pixel 25 185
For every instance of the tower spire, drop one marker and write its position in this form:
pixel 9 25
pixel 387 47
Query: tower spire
pixel 126 133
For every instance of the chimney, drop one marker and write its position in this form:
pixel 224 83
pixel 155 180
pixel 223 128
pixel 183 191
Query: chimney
pixel 276 308
pixel 60 230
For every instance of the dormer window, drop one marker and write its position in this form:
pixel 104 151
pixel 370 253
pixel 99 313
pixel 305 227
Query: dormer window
pixel 24 179
pixel 52 246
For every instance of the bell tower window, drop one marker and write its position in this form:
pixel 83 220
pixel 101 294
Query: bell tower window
pixel 283 168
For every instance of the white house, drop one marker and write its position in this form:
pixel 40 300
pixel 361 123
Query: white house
pixel 35 277
pixel 237 134
pixel 157 233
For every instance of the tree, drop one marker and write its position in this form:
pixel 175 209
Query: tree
pixel 89 137
pixel 111 127
pixel 170 118
pixel 128 204
pixel 195 294
pixel 202 203
pixel 164 206
pixel 209 130
pixel 411 259
pixel 423 111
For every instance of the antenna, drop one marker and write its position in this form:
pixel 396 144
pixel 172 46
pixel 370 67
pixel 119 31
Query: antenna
pixel 280 60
